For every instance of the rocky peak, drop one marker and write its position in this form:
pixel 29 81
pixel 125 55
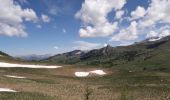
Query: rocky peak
pixel 107 49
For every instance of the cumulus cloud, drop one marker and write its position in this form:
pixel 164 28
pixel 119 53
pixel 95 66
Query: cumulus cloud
pixel 45 18
pixel 158 35
pixel 138 13
pixel 94 15
pixel 157 12
pixel 152 22
pixel 101 30
pixel 119 14
pixel 164 33
pixel 12 17
pixel 152 34
pixel 82 45
pixel 130 33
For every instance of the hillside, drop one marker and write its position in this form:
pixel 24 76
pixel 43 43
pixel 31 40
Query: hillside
pixel 4 57
pixel 66 58
pixel 145 53
pixel 2 54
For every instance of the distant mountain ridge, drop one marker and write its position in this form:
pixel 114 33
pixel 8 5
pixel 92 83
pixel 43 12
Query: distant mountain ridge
pixel 34 57
pixel 145 52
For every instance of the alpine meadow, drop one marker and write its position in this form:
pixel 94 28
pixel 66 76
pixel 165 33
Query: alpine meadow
pixel 84 50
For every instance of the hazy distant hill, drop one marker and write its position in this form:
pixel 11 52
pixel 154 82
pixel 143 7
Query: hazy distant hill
pixel 34 57
pixel 69 57
pixel 155 53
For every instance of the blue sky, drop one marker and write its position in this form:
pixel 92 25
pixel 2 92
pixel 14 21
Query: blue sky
pixel 56 26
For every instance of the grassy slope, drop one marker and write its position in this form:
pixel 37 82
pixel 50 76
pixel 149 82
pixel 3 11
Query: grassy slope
pixel 158 60
pixel 137 79
pixel 144 55
pixel 49 84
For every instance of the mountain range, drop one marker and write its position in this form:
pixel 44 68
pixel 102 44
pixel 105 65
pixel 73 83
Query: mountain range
pixel 145 54
pixel 34 57
pixel 152 53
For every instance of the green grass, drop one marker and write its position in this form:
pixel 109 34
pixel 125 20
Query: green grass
pixel 25 96
pixel 46 84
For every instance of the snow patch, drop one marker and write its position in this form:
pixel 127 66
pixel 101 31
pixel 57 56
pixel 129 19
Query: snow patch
pixel 85 74
pixel 6 90
pixel 82 74
pixel 78 53
pixel 9 65
pixel 159 37
pixel 98 72
pixel 154 39
pixel 14 76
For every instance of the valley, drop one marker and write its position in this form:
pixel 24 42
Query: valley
pixel 62 84
pixel 135 72
pixel 84 49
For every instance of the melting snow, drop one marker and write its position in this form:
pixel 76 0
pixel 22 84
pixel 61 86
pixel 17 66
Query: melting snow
pixel 2 64
pixel 13 76
pixel 98 72
pixel 162 35
pixel 82 74
pixel 154 39
pixel 85 74
pixel 6 90
pixel 78 53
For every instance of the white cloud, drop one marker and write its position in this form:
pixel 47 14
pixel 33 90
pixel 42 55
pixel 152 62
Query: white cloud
pixel 164 33
pixel 12 17
pixel 94 15
pixel 138 13
pixel 82 45
pixel 56 47
pixel 158 35
pixel 119 14
pixel 45 18
pixel 39 26
pixel 158 12
pixel 12 30
pixel 125 43
pixel 152 22
pixel 105 45
pixel 102 30
pixel 64 30
pixel 152 34
pixel 130 33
